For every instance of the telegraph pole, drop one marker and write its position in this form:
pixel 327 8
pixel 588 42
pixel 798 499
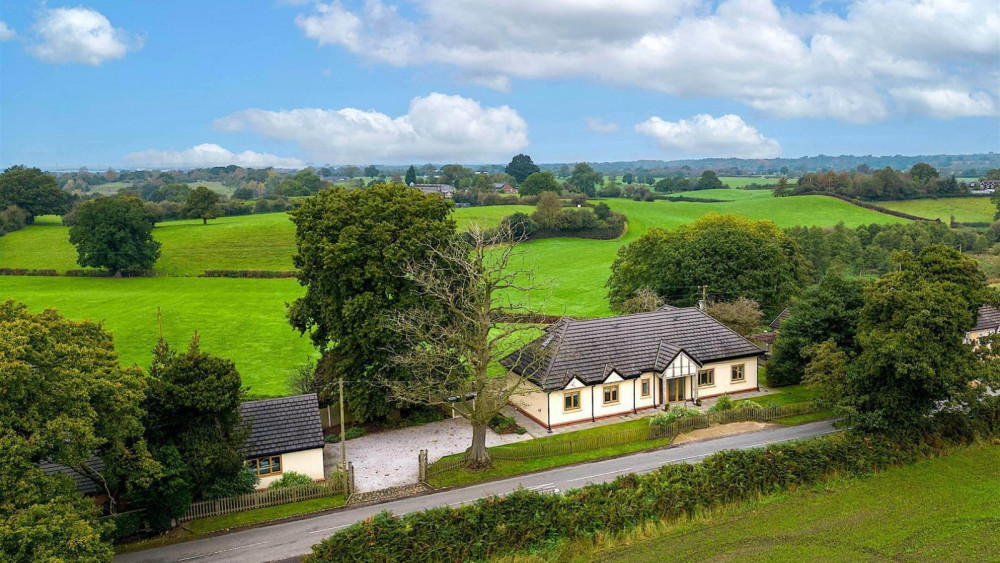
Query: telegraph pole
pixel 343 433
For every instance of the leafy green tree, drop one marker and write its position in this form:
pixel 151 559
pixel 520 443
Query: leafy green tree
pixel 923 172
pixel 194 406
pixel 411 176
pixel 709 181
pixel 627 178
pixel 827 311
pixel 521 167
pixel 548 212
pixel 33 191
pixel 539 182
pixel 585 179
pixel 742 315
pixel 202 203
pixel 372 171
pixel 911 335
pixel 175 192
pixel 243 194
pixel 44 518
pixel 114 233
pixel 352 247
pixel 67 399
pixel 732 255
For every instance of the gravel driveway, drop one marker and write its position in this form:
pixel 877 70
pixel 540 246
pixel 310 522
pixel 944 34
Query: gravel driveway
pixel 389 459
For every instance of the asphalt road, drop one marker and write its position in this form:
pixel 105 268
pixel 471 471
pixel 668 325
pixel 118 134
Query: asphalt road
pixel 290 540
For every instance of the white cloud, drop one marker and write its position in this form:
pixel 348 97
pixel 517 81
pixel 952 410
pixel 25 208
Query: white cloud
pixel 437 128
pixel 945 103
pixel 812 63
pixel 79 35
pixel 208 154
pixel 707 136
pixel 598 125
pixel 6 33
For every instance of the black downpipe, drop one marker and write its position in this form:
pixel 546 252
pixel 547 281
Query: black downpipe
pixel 548 411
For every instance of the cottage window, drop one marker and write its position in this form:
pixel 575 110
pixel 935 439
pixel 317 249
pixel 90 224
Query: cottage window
pixel 264 466
pixel 739 373
pixel 706 377
pixel 644 388
pixel 610 394
pixel 571 401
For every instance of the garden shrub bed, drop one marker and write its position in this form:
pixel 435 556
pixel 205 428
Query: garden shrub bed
pixel 527 521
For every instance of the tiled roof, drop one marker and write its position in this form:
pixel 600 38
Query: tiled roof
pixel 283 425
pixel 776 323
pixel 84 484
pixel 989 317
pixel 629 344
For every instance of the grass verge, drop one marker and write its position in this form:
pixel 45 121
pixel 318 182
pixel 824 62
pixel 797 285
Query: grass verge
pixel 196 528
pixel 941 509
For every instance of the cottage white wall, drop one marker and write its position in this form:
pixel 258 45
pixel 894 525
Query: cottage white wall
pixel 306 462
pixel 532 401
pixel 723 377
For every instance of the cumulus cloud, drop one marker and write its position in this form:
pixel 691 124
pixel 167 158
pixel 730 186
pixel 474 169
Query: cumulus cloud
pixel 206 155
pixel 785 63
pixel 945 103
pixel 80 35
pixel 707 136
pixel 437 128
pixel 6 32
pixel 598 125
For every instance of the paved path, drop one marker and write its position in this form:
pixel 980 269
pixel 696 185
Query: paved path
pixel 289 540
pixel 389 459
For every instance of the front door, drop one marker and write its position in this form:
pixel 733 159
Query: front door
pixel 675 389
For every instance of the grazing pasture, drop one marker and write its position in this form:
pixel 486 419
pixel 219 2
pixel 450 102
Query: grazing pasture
pixel 245 319
pixel 965 209
pixel 112 188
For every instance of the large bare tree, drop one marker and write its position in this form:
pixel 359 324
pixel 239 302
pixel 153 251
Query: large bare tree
pixel 456 338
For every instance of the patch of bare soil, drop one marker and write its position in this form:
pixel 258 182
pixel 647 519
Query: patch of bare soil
pixel 721 430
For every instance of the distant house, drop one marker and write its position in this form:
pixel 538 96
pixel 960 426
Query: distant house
pixel 987 323
pixel 605 367
pixel 447 190
pixel 504 187
pixel 776 323
pixel 986 187
pixel 286 434
pixel 84 484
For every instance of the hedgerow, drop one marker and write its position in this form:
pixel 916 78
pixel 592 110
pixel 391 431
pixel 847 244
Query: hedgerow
pixel 529 521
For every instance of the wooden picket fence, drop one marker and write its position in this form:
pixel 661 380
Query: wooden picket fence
pixel 536 449
pixel 336 485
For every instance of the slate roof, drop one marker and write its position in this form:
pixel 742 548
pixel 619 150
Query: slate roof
pixel 283 425
pixel 776 323
pixel 628 344
pixel 84 484
pixel 988 318
pixel 435 188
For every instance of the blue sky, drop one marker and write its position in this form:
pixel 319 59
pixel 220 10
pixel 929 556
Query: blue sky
pixel 185 83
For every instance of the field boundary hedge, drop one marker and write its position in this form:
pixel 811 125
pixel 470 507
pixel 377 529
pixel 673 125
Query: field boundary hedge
pixel 873 207
pixel 254 274
pixel 77 273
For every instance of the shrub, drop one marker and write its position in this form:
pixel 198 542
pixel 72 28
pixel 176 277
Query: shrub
pixel 723 403
pixel 126 525
pixel 254 274
pixel 355 432
pixel 27 272
pixel 12 218
pixel 421 414
pixel 290 479
pixel 672 415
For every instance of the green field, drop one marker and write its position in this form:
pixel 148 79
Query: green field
pixel 112 187
pixel 741 181
pixel 245 319
pixel 942 509
pixel 965 209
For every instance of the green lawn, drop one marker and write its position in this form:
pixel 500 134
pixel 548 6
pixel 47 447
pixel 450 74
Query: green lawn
pixel 942 509
pixel 740 181
pixel 965 209
pixel 243 320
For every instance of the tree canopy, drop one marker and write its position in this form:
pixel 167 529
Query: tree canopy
pixel 202 203
pixel 411 176
pixel 32 190
pixel 585 179
pixel 911 335
pixel 539 182
pixel 351 250
pixel 521 167
pixel 827 311
pixel 732 255
pixel 114 233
